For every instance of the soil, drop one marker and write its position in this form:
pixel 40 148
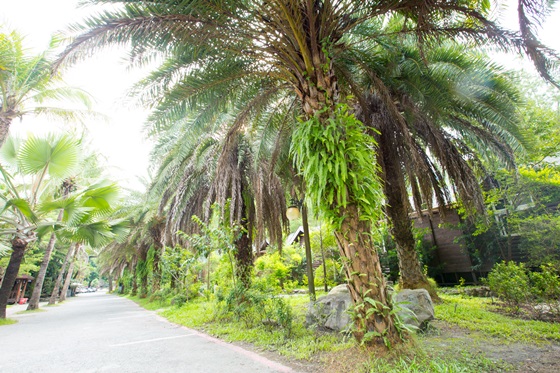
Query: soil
pixel 442 339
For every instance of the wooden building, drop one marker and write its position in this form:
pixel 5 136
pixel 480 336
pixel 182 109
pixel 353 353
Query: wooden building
pixel 450 256
pixel 18 291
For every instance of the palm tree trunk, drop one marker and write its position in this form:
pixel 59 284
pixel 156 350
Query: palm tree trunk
pixel 143 272
pixel 56 289
pixel 411 274
pixel 308 256
pixel 156 268
pixel 68 279
pixel 363 270
pixel 4 128
pixel 244 255
pixel 18 250
pixel 365 279
pixel 69 274
pixel 134 291
pixel 37 290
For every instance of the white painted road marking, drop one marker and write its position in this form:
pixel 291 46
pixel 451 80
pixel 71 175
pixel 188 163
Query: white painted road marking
pixel 151 340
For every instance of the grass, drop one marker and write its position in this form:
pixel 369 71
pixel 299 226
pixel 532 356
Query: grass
pixel 150 303
pixel 7 322
pixel 476 314
pixel 26 312
pixel 424 353
pixel 302 343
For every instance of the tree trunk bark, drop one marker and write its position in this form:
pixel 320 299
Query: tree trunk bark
pixel 365 281
pixel 143 272
pixel 4 128
pixel 18 251
pixel 317 89
pixel 56 289
pixel 37 290
pixel 411 274
pixel 308 256
pixel 67 281
pixel 244 255
pixel 110 279
pixel 156 269
pixel 134 291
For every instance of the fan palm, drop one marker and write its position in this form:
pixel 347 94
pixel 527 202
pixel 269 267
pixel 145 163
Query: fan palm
pixel 86 221
pixel 28 87
pixel 295 42
pixel 43 161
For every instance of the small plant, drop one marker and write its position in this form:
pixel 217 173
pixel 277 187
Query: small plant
pixel 179 300
pixel 546 289
pixel 510 282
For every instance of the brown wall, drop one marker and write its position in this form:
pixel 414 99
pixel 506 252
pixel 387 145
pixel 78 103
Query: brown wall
pixel 443 233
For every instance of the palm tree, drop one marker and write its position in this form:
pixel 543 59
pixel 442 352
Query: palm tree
pixel 224 171
pixel 28 86
pixel 294 43
pixel 23 214
pixel 82 220
pixel 433 115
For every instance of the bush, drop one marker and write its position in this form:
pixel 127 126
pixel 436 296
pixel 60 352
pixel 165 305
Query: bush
pixel 546 288
pixel 253 306
pixel 179 300
pixel 510 282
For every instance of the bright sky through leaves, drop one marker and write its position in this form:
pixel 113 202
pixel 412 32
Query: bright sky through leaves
pixel 120 139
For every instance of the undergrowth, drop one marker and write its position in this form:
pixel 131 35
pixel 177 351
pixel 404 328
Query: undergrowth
pixel 479 314
pixel 333 353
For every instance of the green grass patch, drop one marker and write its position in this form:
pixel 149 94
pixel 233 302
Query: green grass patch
pixel 476 314
pixel 425 353
pixel 150 304
pixel 422 363
pixel 26 312
pixel 302 343
pixel 7 321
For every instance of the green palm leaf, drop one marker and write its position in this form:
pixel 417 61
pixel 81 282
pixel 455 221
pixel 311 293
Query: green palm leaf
pixel 57 157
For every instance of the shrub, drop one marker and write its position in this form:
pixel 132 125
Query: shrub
pixel 510 282
pixel 252 307
pixel 546 288
pixel 179 300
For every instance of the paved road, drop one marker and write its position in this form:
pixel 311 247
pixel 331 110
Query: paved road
pixel 98 332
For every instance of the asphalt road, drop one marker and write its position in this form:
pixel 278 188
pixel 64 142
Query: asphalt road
pixel 99 332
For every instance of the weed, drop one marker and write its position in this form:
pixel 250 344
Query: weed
pixel 7 322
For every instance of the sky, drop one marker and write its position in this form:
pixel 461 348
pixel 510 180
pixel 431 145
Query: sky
pixel 120 139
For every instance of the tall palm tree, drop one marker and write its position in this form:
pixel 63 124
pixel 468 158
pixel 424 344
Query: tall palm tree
pixel 42 161
pixel 294 42
pixel 29 88
pixel 221 170
pixel 433 115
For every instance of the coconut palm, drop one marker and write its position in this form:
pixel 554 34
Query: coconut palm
pixel 42 162
pixel 294 43
pixel 29 88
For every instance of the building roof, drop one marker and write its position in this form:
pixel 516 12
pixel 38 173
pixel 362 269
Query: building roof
pixel 295 236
